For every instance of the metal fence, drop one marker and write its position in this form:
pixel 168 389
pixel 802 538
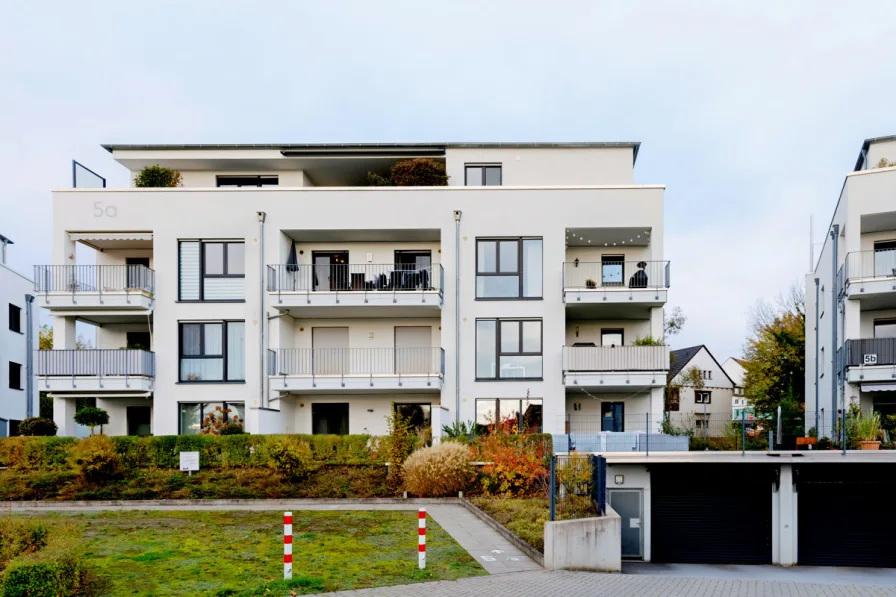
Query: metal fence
pixel 867 352
pixel 365 277
pixel 94 278
pixel 578 486
pixel 360 361
pixel 581 275
pixel 869 265
pixel 95 363
pixel 585 359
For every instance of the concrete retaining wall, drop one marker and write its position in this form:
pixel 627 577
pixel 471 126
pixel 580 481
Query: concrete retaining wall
pixel 593 544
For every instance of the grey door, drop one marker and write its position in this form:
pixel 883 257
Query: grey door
pixel 330 355
pixel 628 505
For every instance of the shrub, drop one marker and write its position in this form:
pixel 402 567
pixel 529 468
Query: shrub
pixel 216 420
pixel 19 537
pixel 37 426
pixel 867 427
pixel 57 570
pixel 35 453
pixel 514 469
pixel 401 442
pixel 438 471
pixel 290 457
pixel 95 458
pixel 158 177
pixel 92 417
pixel 418 172
pixel 648 341
pixel 231 429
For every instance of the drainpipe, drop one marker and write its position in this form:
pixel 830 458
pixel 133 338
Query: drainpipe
pixel 262 372
pixel 29 360
pixel 817 430
pixel 457 215
pixel 835 237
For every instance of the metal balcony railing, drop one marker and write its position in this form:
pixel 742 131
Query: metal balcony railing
pixel 867 352
pixel 365 277
pixel 359 361
pixel 586 359
pixel 868 265
pixel 94 278
pixel 580 275
pixel 95 363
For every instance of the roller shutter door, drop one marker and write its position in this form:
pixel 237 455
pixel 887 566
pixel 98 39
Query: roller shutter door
pixel 711 514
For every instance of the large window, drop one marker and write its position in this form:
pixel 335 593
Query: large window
pixel 15 376
pixel 508 349
pixel 482 175
pixel 15 318
pixel 213 351
pixel 193 416
pixel 701 397
pixel 508 268
pixel 509 415
pixel 211 270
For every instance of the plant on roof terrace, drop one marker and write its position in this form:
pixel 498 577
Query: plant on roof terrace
pixel 418 172
pixel 158 177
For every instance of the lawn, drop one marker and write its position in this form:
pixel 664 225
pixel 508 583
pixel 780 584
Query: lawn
pixel 240 553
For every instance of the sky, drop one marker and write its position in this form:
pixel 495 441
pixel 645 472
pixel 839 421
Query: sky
pixel 750 113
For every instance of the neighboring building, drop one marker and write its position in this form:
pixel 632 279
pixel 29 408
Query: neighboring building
pixel 278 285
pixel 734 367
pixel 708 407
pixel 18 338
pixel 851 296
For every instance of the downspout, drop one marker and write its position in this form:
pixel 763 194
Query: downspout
pixel 817 430
pixel 835 237
pixel 457 215
pixel 262 373
pixel 29 360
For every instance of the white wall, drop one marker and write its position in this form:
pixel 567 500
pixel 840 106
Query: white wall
pixel 14 347
pixel 590 330
pixel 718 384
pixel 881 149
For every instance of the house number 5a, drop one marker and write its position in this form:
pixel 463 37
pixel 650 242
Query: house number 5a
pixel 100 210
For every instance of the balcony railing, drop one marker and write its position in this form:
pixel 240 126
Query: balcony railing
pixel 93 278
pixel 365 277
pixel 869 265
pixel 95 363
pixel 867 352
pixel 580 275
pixel 587 359
pixel 359 361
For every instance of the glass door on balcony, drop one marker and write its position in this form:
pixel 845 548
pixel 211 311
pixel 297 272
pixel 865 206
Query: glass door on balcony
pixel 329 418
pixel 885 328
pixel 611 270
pixel 331 270
pixel 330 351
pixel 139 419
pixel 885 258
pixel 612 416
pixel 415 269
pixel 136 272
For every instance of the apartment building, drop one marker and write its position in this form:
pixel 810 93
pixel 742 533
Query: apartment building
pixel 276 285
pixel 18 337
pixel 851 296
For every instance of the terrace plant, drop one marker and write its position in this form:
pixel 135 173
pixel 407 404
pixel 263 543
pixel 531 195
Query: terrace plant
pixel 158 177
pixel 418 172
pixel 92 417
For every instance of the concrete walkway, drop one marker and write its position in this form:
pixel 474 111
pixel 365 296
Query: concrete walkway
pixel 487 546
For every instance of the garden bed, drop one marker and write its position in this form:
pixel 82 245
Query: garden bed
pixel 524 517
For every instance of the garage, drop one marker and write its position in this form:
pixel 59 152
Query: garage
pixel 711 513
pixel 845 514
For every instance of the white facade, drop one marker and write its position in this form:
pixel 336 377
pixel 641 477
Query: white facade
pixel 18 339
pixel 714 401
pixel 851 297
pixel 353 288
pixel 735 370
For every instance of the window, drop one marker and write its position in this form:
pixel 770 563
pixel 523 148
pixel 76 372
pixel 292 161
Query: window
pixel 673 399
pixel 700 422
pixel 821 305
pixel 885 258
pixel 212 270
pixel 482 175
pixel 821 364
pixel 510 415
pixel 703 397
pixel 612 337
pixel 611 270
pixel 508 349
pixel 213 351
pixel 194 415
pixel 418 415
pixel 508 268
pixel 247 181
pixel 707 375
pixel 885 328
pixel 15 318
pixel 15 376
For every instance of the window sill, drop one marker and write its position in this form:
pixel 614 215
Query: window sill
pixel 18 389
pixel 17 332
pixel 202 382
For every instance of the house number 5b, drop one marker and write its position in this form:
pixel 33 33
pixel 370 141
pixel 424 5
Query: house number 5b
pixel 100 210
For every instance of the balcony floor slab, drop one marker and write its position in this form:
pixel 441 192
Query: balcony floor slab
pixel 95 384
pixel 356 384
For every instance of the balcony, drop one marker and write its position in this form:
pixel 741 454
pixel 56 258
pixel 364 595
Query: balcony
pixel 870 362
pixel 362 290
pixel 615 368
pixel 869 276
pixel 125 372
pixel 614 289
pixel 102 293
pixel 342 370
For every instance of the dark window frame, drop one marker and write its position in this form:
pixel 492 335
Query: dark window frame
pixel 499 353
pixel 202 274
pixel 223 356
pixel 672 399
pixel 202 406
pixel 611 259
pixel 498 166
pixel 17 367
pixel 15 318
pixel 519 273
pixel 264 180
pixel 497 404
pixel 225 260
pixel 702 397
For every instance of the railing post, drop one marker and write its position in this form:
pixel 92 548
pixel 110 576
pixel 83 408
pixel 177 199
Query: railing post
pixel 647 434
pixel 553 488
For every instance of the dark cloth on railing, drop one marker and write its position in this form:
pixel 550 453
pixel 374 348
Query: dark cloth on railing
pixel 638 279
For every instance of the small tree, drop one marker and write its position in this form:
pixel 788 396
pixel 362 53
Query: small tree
pixel 92 417
pixel 158 177
pixel 36 426
pixel 401 444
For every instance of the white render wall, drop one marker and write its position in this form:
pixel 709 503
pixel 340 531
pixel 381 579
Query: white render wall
pixel 14 347
pixel 721 387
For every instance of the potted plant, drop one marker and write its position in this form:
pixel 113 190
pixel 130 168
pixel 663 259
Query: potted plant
pixel 867 430
pixel 589 283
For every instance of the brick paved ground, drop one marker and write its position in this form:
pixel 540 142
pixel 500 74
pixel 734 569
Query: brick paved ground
pixel 586 584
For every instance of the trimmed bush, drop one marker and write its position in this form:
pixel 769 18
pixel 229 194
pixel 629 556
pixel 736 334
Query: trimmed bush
pixel 38 427
pixel 438 471
pixel 92 417
pixel 291 457
pixel 95 458
pixel 231 429
pixel 18 536
pixel 36 453
pixel 57 570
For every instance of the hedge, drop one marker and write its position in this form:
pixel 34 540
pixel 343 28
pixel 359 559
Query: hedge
pixel 41 562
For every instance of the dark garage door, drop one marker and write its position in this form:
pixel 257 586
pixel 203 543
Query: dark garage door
pixel 846 515
pixel 711 514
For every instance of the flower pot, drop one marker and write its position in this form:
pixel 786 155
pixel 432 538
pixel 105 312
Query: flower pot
pixel 870 445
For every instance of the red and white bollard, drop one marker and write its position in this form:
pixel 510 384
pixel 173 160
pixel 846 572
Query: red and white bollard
pixel 421 544
pixel 287 545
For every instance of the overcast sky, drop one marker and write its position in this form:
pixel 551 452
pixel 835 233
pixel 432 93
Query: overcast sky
pixel 750 115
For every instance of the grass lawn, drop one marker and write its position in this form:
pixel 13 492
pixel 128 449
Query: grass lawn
pixel 240 553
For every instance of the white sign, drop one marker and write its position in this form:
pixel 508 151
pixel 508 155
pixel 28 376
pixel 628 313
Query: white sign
pixel 189 461
pixel 634 523
pixel 870 359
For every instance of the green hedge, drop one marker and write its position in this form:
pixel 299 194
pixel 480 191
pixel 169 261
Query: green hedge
pixel 58 570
